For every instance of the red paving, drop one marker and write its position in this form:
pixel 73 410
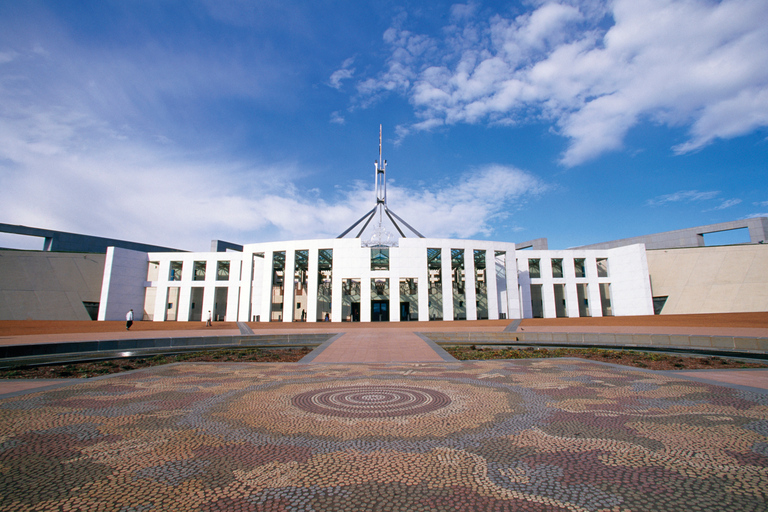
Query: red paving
pixel 750 378
pixel 378 346
pixel 397 342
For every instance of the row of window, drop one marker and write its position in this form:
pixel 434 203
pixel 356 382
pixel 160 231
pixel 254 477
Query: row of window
pixel 199 269
pixel 579 267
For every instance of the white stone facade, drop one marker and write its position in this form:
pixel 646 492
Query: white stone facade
pixel 420 279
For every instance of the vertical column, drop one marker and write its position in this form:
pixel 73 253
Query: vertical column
pixel 161 298
pixel 289 307
pixel 470 292
pixel 365 297
pixel 245 287
pixel 595 304
pixel 312 285
pixel 394 294
pixel 513 295
pixel 336 283
pixel 266 289
pixel 185 291
pixel 423 285
pixel 490 278
pixel 447 271
pixel 233 306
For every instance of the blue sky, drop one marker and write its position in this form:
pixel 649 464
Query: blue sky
pixel 178 122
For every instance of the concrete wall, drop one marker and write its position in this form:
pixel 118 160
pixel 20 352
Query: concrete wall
pixel 123 286
pixel 690 237
pixel 37 285
pixel 61 241
pixel 721 279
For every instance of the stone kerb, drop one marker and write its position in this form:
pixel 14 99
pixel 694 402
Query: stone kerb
pixel 676 341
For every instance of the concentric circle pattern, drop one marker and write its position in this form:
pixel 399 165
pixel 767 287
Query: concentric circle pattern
pixel 371 401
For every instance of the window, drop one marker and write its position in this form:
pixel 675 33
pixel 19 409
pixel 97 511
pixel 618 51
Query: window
pixel 175 272
pixel 278 283
pixel 435 285
pixel 458 279
pixel 580 267
pixel 537 302
pixel 561 306
pixel 582 295
pixel 602 267
pixel 557 267
pixel 199 271
pixel 380 259
pixel 222 271
pixel 534 268
pixel 324 280
pixel 481 286
pixel 605 299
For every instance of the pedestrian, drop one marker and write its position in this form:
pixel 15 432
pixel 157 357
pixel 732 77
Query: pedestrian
pixel 326 318
pixel 129 320
pixel 208 322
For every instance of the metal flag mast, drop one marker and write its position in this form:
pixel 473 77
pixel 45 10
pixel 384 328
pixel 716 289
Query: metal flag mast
pixel 380 236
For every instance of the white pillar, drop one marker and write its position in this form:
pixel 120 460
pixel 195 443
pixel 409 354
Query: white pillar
pixel 288 285
pixel 312 284
pixel 470 290
pixel 513 296
pixel 490 284
pixel 445 266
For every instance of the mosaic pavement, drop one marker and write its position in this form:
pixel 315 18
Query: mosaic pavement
pixel 536 435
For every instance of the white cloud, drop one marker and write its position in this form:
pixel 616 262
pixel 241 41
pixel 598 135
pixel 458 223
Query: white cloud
pixel 344 73
pixel 686 196
pixel 337 118
pixel 145 191
pixel 697 64
pixel 727 204
pixel 468 207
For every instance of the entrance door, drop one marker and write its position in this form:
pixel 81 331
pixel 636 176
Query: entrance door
pixel 379 311
pixel 405 311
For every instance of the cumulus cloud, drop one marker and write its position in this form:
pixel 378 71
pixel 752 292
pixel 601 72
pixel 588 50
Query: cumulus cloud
pixel 595 70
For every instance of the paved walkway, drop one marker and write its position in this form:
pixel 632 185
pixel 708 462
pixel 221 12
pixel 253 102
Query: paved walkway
pixel 378 346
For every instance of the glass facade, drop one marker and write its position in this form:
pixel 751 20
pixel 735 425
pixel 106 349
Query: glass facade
pixel 278 286
pixel 435 272
pixel 324 283
pixel 459 289
pixel 481 285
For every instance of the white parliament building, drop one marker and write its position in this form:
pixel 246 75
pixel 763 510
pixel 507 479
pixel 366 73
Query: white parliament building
pixel 384 277
pixel 382 269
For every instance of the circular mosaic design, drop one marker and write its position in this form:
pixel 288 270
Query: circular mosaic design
pixel 371 401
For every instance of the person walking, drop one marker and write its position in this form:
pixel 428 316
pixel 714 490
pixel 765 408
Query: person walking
pixel 208 322
pixel 129 320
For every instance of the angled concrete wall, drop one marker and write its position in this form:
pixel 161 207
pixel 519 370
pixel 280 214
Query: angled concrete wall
pixel 690 237
pixel 123 286
pixel 37 285
pixel 726 279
